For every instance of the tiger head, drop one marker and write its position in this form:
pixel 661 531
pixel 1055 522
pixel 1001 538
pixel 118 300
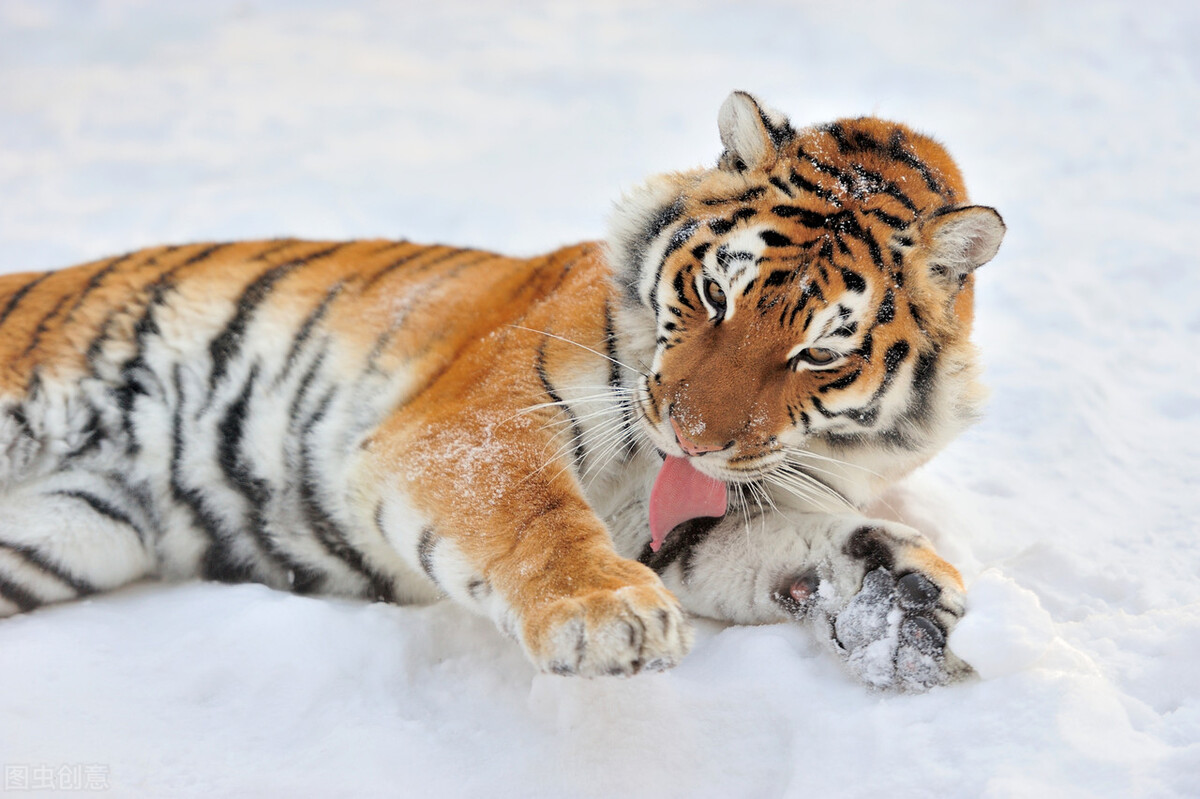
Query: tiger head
pixel 813 290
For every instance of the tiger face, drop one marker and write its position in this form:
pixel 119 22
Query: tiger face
pixel 815 285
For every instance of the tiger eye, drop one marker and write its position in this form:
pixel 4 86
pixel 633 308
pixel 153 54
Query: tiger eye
pixel 817 356
pixel 714 293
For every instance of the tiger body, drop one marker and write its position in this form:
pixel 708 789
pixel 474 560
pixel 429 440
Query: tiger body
pixel 401 422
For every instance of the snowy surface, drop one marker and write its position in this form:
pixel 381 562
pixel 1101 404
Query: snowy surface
pixel 1072 509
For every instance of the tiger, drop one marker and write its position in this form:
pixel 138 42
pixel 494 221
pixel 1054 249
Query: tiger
pixel 589 447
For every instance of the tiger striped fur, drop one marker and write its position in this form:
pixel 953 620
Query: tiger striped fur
pixel 399 422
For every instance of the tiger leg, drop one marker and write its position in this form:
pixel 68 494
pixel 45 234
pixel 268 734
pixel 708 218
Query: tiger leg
pixel 68 536
pixel 876 590
pixel 522 547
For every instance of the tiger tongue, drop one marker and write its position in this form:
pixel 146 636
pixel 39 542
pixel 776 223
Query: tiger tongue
pixel 681 493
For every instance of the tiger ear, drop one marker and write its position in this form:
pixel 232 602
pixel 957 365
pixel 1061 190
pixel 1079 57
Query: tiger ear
pixel 960 240
pixel 752 133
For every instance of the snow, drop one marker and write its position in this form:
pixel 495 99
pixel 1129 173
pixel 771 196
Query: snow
pixel 1071 509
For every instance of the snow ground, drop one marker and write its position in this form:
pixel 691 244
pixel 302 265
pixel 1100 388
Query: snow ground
pixel 1072 509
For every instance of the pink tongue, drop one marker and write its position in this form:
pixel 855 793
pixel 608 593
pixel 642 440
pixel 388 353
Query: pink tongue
pixel 681 493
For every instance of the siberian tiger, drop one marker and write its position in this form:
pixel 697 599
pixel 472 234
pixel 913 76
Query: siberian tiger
pixel 580 446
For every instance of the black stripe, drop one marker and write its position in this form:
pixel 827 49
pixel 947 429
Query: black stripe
pixel 390 245
pixel 228 342
pixel 805 296
pixel 778 277
pixel 842 382
pixel 614 380
pixel 680 285
pixel 779 184
pixel 577 434
pixel 141 498
pixel 895 356
pixel 19 295
pixel 746 196
pixel 325 528
pixel 868 346
pixel 804 216
pixel 680 545
pixel 779 135
pixel 775 239
pixel 207 251
pixel 679 238
pixel 894 222
pixel 36 337
pixel 665 216
pixel 478 588
pixel 847 182
pixel 868 238
pixel 143 329
pixel 415 303
pixel 22 598
pixel 918 320
pixel 105 509
pixel 866 417
pixel 896 150
pixel 96 345
pixel 397 263
pixel 412 302
pixel 302 388
pixel 94 282
pixel 37 560
pixel 93 435
pixel 425 547
pixel 274 246
pixel 136 379
pixel 451 252
pixel 887 308
pixel 846 222
pixel 808 187
pixel 874 182
pixel 239 473
pixel 306 329
pixel 146 325
pixel 218 563
pixel 17 414
pixel 838 133
pixel 854 281
pixel 923 381
pixel 721 226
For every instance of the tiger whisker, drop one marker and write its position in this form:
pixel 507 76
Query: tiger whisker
pixel 603 430
pixel 609 450
pixel 804 478
pixel 581 346
pixel 804 453
pixel 617 396
pixel 808 487
pixel 799 491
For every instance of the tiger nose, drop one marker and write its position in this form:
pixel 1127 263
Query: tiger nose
pixel 689 446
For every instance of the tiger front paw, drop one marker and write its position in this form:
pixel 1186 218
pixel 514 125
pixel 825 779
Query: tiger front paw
pixel 891 628
pixel 609 632
pixel 893 632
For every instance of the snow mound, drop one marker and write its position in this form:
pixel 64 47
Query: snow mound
pixel 1005 629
